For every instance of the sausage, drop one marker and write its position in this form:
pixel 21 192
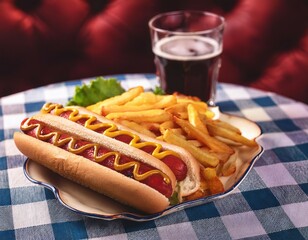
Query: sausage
pixel 172 160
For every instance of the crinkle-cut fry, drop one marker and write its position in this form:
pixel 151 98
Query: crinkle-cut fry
pixel 213 143
pixel 153 115
pixel 136 127
pixel 194 118
pixel 117 100
pixel 164 102
pixel 229 134
pixel 203 157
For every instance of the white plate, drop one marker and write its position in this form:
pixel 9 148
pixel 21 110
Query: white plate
pixel 89 203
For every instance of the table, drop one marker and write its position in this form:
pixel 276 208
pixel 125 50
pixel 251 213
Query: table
pixel 271 203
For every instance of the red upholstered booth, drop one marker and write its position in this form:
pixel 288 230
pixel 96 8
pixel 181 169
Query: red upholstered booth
pixel 47 41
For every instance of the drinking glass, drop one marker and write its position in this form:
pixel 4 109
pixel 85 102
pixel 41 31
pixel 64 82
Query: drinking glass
pixel 187 46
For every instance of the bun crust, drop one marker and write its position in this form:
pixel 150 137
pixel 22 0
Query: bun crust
pixel 92 175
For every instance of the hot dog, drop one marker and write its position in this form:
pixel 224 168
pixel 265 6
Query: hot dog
pixel 183 165
pixel 108 165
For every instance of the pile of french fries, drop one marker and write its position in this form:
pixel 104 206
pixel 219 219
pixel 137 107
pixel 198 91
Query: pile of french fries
pixel 184 121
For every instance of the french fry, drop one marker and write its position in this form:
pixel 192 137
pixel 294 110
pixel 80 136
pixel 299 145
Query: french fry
pixel 163 103
pixel 196 195
pixel 179 132
pixel 194 119
pixel 204 158
pixel 185 121
pixel 136 127
pixel 178 107
pixel 153 127
pixel 219 169
pixel 154 115
pixel 207 114
pixel 221 124
pixel 144 98
pixel 179 110
pixel 222 156
pixel 117 100
pixel 213 143
pixel 214 184
pixel 187 99
pixel 209 173
pixel 166 125
pixel 200 106
pixel 195 143
pixel 181 115
pixel 203 184
pixel 229 167
pixel 160 138
pixel 229 134
pixel 203 110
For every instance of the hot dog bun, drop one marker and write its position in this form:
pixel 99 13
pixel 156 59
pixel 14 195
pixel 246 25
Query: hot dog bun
pixel 91 174
pixel 192 182
pixel 186 187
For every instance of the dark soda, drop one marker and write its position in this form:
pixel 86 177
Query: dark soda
pixel 189 65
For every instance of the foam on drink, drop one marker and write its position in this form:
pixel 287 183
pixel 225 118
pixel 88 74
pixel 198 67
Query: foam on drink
pixel 185 48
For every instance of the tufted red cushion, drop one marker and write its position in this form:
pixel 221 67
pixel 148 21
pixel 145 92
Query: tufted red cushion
pixel 46 41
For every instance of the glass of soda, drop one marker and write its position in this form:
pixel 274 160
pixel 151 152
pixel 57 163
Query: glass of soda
pixel 187 46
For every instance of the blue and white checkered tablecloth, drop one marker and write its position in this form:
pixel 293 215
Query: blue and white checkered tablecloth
pixel 271 203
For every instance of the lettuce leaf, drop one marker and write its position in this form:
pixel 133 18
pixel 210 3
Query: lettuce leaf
pixel 158 91
pixel 97 90
pixel 174 199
